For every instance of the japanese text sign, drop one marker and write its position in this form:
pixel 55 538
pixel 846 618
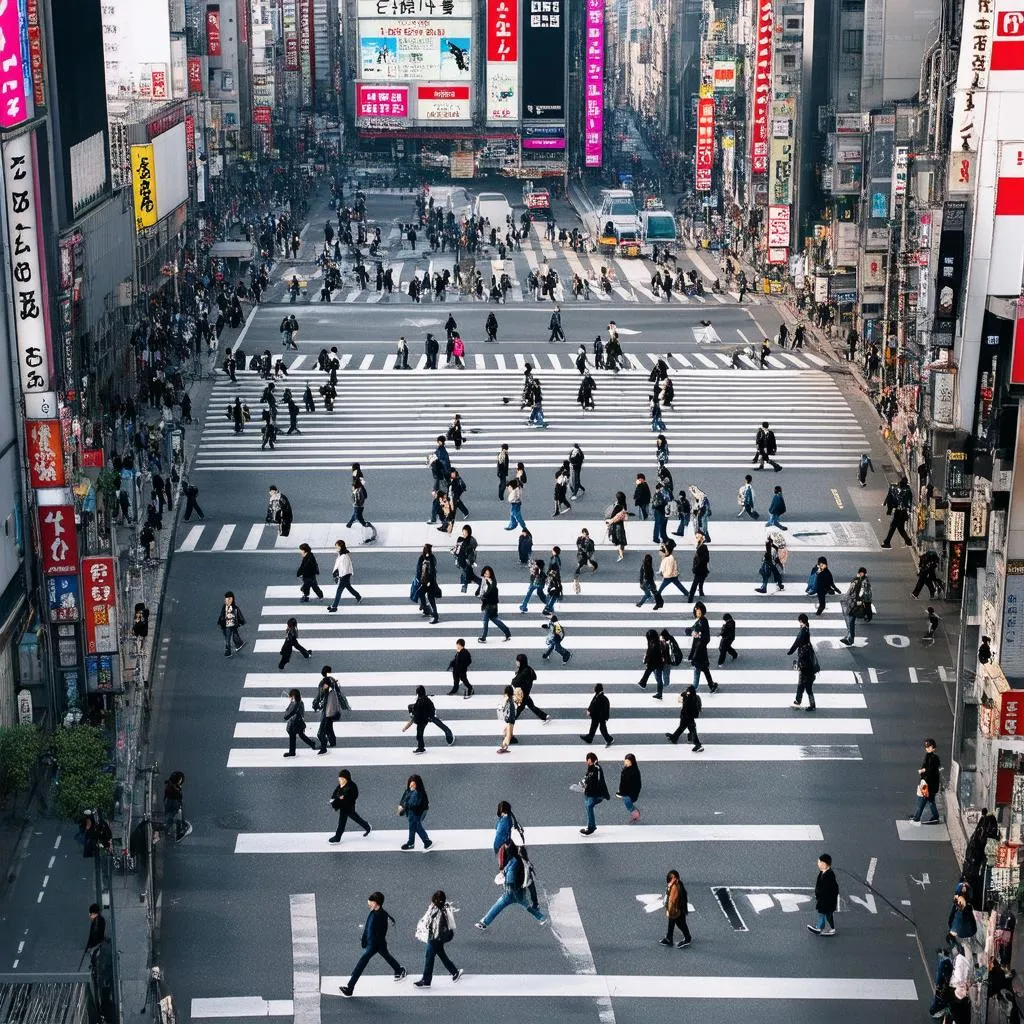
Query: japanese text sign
pixel 13 99
pixel 144 186
pixel 45 453
pixel 58 541
pixel 593 114
pixel 99 599
pixel 762 88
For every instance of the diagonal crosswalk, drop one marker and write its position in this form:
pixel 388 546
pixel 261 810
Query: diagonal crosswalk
pixel 387 420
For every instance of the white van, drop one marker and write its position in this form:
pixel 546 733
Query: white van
pixel 494 207
pixel 618 208
pixel 658 228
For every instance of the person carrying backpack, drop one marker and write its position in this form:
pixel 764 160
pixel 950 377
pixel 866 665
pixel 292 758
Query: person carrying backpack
pixel 437 928
pixel 513 876
pixel 329 701
pixel 690 707
pixel 423 713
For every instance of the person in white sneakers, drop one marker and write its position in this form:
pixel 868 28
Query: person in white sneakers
pixel 826 897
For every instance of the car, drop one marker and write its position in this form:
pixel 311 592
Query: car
pixel 493 207
pixel 452 199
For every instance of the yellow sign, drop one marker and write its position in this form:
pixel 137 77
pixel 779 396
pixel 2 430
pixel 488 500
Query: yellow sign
pixel 144 186
pixel 707 92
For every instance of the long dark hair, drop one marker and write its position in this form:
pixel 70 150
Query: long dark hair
pixel 504 807
pixel 620 502
pixel 420 788
pixel 652 639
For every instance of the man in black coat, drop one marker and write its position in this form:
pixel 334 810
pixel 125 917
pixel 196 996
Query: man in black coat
pixel 374 941
pixel 826 897
pixel 599 712
pixel 595 790
pixel 701 567
pixel 824 584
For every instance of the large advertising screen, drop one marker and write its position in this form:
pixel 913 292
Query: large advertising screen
pixel 543 40
pixel 593 129
pixel 502 60
pixel 415 50
pixel 762 88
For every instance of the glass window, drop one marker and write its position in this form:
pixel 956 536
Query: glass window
pixel 853 40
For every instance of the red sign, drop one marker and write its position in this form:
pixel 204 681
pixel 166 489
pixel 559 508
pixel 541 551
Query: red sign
pixel 372 101
pixel 1017 358
pixel 159 85
pixel 195 74
pixel 35 52
pixel 442 92
pixel 1010 713
pixel 190 134
pixel 99 600
pixel 502 30
pixel 213 31
pixel 92 458
pixel 45 453
pixel 1008 44
pixel 705 156
pixel 262 115
pixel 759 142
pixel 58 541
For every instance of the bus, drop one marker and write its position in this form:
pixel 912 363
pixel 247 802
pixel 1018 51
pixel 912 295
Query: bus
pixel 658 228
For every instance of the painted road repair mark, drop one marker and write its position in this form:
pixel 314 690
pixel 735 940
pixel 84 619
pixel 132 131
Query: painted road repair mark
pixel 838 500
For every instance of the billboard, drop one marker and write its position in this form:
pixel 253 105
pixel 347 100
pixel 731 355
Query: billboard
pixel 438 10
pixel 762 87
pixel 171 162
pixel 44 448
pixel 543 41
pixel 144 186
pixel 25 282
pixel 58 542
pixel 213 48
pixel 35 52
pixel 778 226
pixel 1017 354
pixel 950 272
pixel 723 75
pixel 1007 62
pixel 137 40
pixel 502 60
pixel 382 101
pixel 705 155
pixel 593 126
pixel 442 102
pixel 415 50
pixel 100 605
pixel 13 73
pixel 1004 270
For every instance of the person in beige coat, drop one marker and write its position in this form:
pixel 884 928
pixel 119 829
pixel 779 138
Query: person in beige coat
pixel 676 906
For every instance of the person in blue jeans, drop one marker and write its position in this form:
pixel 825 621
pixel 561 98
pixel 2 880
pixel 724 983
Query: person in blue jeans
pixel 535 584
pixel 515 891
pixel 595 791
pixel 629 787
pixel 553 583
pixel 555 635
pixel 826 897
pixel 659 502
pixel 489 605
pixel 514 494
pixel 775 509
pixel 414 806
pixel 375 942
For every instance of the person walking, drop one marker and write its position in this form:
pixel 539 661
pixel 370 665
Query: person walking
pixel 685 510
pixel 647 583
pixel 642 495
pixel 426 576
pixel 556 633
pixel 97 931
pixel 465 558
pixel 824 584
pixel 343 800
pixel 669 569
pixel 616 523
pixel 489 597
pixel 291 642
pixel 191 501
pixel 522 689
pixel 690 707
pixel 584 555
pixel 358 502
pixel 826 897
pixel 927 570
pixel 555 326
pixel 422 713
pixel 629 787
pixel 726 638
pixel 459 666
pixel 295 723
pixel 561 489
pixel 342 574
pixel 659 504
pixel 930 774
pixel 900 514
pixel 329 701
pixel 701 566
pixel 745 499
pixel 595 791
pixel 654 662
pixel 767 447
pixel 676 907
pixel 599 711
pixel 806 664
pixel 534 585
pixel 413 806
pixel 856 604
pixel 517 877
pixel 438 927
pixel 229 620
pixel 776 508
pixel 576 460
pixel 507 715
pixel 307 572
pixel 374 943
pixel 553 580
pixel 862 469
pixel 773 558
pixel 502 470
pixel 175 825
pixel 514 495
pixel 700 632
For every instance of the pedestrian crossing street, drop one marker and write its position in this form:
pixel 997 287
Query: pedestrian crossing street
pixel 390 421
pixel 631 278
pixel 749 719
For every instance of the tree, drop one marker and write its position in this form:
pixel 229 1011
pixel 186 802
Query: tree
pixel 20 746
pixel 84 781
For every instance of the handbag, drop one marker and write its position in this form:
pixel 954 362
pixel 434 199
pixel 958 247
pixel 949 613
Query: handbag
pixel 333 708
pixel 423 928
pixel 414 590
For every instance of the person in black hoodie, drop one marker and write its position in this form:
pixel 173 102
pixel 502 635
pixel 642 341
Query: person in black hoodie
pixel 642 495
pixel 343 800
pixel 295 719
pixel 726 638
pixel 308 571
pixel 523 680
pixel 629 787
pixel 599 711
pixel 423 713
pixel 824 584
pixel 700 631
pixel 426 573
pixel 374 942
pixel 458 666
pixel 654 662
pixel 701 567
pixel 806 662
pixel 291 642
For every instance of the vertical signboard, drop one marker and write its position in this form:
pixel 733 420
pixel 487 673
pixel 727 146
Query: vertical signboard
pixel 543 38
pixel 306 52
pixel 62 598
pixel 1011 642
pixel 705 155
pixel 762 87
pixel 100 605
pixel 35 52
pixel 883 135
pixel 950 273
pixel 778 233
pixel 1017 358
pixel 13 96
pixel 58 542
pixel 45 453
pixel 213 48
pixel 144 186
pixel 502 60
pixel 195 75
pixel 1004 273
pixel 26 285
pixel 593 114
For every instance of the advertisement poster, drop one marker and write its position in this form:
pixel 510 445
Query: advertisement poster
pixel 58 542
pixel 415 50
pixel 593 129
pixel 502 60
pixel 543 39
pixel 762 87
pixel 442 102
pixel 100 603
pixel 374 101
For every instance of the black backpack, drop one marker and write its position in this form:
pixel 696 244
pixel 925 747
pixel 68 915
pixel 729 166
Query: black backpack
pixel 675 651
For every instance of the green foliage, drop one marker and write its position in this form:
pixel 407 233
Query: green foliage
pixel 107 484
pixel 81 754
pixel 20 747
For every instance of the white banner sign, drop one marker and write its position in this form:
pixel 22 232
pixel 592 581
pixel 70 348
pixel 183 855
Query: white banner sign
pixel 502 91
pixel 415 50
pixel 441 10
pixel 26 286
pixel 778 227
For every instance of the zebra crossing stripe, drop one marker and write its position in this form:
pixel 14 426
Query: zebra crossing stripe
pixel 223 538
pixel 254 536
pixel 462 840
pixel 190 542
